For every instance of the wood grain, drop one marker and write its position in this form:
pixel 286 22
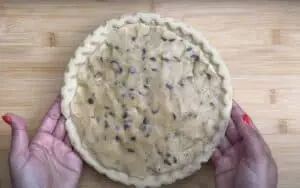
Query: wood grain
pixel 259 40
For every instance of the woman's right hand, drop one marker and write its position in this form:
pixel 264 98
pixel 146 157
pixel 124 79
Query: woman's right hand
pixel 243 159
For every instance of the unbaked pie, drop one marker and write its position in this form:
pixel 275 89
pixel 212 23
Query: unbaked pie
pixel 146 99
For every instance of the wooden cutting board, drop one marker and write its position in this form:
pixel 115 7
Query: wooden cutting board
pixel 259 40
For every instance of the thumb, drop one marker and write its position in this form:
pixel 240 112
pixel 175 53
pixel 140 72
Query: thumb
pixel 255 145
pixel 19 137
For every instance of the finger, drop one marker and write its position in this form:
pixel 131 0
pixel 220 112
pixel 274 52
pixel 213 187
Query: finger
pixel 60 131
pixel 254 143
pixel 232 133
pixel 224 145
pixel 238 115
pixel 216 156
pixel 50 120
pixel 236 152
pixel 19 139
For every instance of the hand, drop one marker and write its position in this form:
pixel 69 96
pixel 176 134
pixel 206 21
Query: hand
pixel 243 159
pixel 48 161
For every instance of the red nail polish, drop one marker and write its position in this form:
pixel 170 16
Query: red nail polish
pixel 7 119
pixel 246 119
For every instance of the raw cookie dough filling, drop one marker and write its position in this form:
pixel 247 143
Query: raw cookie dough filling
pixel 147 101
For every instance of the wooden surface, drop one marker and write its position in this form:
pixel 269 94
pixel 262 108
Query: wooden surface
pixel 260 41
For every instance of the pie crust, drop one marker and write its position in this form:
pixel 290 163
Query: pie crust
pixel 147 99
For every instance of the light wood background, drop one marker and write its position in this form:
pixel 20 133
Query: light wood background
pixel 260 41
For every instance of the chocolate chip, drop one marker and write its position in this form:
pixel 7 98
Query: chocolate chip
pixel 126 126
pixel 193 115
pixel 195 57
pixel 131 89
pixel 114 62
pixel 130 150
pixel 189 49
pixel 165 59
pixel 117 47
pixel 125 115
pixel 154 69
pixel 147 80
pixel 163 38
pixel 133 138
pixel 98 74
pixel 145 86
pixel 167 162
pixel 106 107
pixel 140 93
pixel 181 83
pixel 174 116
pixel 117 138
pixel 189 77
pixel 155 111
pixel 143 51
pixel 132 96
pixel 106 125
pixel 176 58
pixel 171 40
pixel 145 120
pixel 133 38
pixel 169 86
pixel 208 76
pixel 120 70
pixel 132 70
pixel 112 114
pixel 174 160
pixel 90 101
pixel 152 58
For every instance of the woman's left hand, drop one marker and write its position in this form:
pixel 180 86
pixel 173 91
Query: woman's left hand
pixel 48 161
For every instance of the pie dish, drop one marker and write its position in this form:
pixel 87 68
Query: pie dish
pixel 147 99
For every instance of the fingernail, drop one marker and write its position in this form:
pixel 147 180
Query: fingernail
pixel 246 119
pixel 7 119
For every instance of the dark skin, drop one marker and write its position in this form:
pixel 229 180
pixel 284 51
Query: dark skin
pixel 243 159
pixel 48 160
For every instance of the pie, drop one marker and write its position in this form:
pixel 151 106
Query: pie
pixel 147 99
